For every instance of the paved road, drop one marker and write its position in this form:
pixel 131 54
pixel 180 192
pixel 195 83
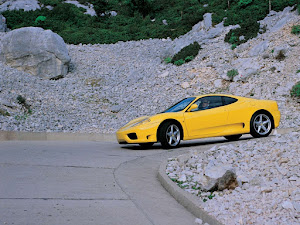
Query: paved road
pixel 46 182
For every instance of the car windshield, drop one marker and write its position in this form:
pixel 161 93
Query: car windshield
pixel 180 105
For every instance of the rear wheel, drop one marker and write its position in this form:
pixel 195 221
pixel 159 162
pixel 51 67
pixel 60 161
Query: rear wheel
pixel 261 124
pixel 169 135
pixel 233 137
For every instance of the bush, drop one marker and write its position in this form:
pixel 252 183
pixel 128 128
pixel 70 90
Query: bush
pixel 22 101
pixel 179 62
pixel 295 92
pixel 296 29
pixel 232 73
pixel 186 54
pixel 168 60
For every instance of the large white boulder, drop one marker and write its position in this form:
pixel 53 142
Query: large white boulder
pixel 37 51
pixel 26 5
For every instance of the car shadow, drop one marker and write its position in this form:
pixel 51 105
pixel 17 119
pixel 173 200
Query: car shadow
pixel 185 144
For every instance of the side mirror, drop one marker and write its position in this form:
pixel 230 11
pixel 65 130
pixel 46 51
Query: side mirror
pixel 194 106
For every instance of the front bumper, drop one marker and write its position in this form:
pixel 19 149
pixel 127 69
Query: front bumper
pixel 138 134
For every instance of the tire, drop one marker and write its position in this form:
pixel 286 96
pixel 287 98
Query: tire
pixel 146 145
pixel 233 137
pixel 260 124
pixel 169 135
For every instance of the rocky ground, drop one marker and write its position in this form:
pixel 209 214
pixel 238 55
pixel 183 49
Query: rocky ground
pixel 267 171
pixel 108 85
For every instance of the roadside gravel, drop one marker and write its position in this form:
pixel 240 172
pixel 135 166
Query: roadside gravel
pixel 267 172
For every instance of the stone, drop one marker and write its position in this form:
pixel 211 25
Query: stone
pixel 26 5
pixel 220 177
pixel 259 48
pixel 37 51
pixel 89 8
pixel 3 26
pixel 215 32
pixel 164 74
pixel 185 85
pixel 198 221
pixel 207 21
pixel 182 178
pixel 241 38
pixel 218 83
pixel 281 23
pixel 296 206
pixel 113 13
pixel 115 109
pixel 246 67
pixel 287 205
pixel 165 22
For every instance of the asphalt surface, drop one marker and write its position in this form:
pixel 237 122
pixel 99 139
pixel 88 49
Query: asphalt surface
pixel 48 182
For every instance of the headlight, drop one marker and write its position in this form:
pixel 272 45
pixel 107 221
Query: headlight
pixel 147 120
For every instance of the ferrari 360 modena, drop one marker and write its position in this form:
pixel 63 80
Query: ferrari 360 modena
pixel 201 117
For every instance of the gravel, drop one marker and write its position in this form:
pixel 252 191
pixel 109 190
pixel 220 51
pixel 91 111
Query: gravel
pixel 267 172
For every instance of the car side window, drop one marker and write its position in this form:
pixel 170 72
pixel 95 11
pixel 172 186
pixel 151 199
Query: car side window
pixel 229 100
pixel 208 102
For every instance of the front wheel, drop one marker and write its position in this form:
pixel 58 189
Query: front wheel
pixel 233 137
pixel 169 135
pixel 260 125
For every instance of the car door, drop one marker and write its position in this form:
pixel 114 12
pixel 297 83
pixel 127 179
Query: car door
pixel 239 114
pixel 206 121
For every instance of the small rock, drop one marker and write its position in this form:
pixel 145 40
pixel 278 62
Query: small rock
pixel 115 109
pixel 198 221
pixel 185 85
pixel 287 205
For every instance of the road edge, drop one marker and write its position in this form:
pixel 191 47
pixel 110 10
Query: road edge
pixel 54 136
pixel 184 198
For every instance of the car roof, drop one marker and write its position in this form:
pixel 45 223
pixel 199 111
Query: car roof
pixel 226 95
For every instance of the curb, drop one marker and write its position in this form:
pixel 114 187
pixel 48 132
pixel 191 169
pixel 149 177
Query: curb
pixel 184 198
pixel 55 136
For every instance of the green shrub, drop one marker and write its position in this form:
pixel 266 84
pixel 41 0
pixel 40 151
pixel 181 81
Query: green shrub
pixel 232 73
pixel 186 54
pixel 295 92
pixel 168 60
pixel 179 62
pixel 296 29
pixel 22 101
pixel 40 18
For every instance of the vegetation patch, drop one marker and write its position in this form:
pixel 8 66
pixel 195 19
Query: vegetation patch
pixel 296 29
pixel 295 92
pixel 232 73
pixel 22 101
pixel 138 19
pixel 186 54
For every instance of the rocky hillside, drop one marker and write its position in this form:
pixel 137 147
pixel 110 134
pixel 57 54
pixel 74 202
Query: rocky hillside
pixel 108 85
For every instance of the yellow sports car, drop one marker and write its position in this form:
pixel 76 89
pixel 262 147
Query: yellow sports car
pixel 203 116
